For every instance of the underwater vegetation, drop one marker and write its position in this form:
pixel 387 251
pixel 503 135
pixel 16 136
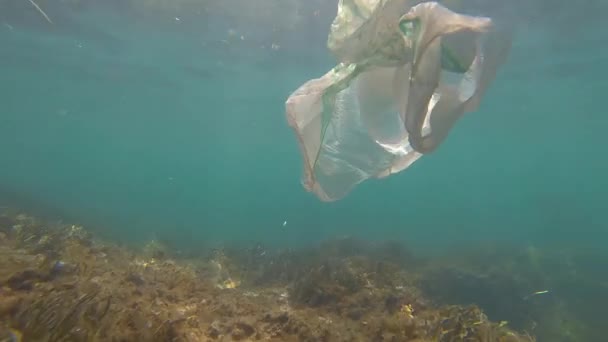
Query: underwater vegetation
pixel 60 283
pixel 559 294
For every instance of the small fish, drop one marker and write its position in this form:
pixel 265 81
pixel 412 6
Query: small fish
pixel 536 294
pixel 284 223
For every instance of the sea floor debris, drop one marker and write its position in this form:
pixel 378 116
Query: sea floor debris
pixel 59 283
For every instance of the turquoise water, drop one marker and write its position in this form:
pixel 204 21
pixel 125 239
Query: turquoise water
pixel 151 126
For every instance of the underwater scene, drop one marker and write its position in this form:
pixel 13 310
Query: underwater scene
pixel 303 170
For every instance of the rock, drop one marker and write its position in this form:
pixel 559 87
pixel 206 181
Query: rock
pixel 8 306
pixel 24 281
pixel 241 331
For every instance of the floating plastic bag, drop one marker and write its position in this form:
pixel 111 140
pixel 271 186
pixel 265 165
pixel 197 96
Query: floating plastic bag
pixel 406 74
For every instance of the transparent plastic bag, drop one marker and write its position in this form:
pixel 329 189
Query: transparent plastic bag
pixel 406 75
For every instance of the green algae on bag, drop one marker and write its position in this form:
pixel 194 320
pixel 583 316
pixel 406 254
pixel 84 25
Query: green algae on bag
pixel 406 74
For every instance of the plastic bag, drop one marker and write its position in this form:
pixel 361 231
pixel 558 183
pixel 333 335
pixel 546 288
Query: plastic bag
pixel 406 74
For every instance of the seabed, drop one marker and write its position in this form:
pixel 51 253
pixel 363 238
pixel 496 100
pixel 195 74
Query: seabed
pixel 58 282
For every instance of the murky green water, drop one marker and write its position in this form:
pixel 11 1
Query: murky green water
pixel 170 125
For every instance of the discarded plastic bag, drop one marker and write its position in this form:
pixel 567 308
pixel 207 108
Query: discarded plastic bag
pixel 406 74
